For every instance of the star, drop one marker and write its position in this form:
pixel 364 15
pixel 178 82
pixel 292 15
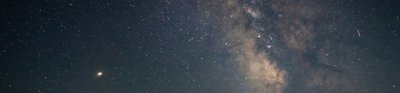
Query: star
pixel 99 74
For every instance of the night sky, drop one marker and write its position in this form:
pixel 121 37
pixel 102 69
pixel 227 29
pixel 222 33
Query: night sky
pixel 200 46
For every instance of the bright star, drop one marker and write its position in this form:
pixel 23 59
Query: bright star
pixel 99 74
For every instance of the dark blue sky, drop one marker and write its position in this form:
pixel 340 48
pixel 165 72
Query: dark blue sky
pixel 183 46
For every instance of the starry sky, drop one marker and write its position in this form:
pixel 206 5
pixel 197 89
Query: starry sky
pixel 200 46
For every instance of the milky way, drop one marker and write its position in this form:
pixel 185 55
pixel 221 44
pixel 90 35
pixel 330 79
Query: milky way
pixel 273 43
